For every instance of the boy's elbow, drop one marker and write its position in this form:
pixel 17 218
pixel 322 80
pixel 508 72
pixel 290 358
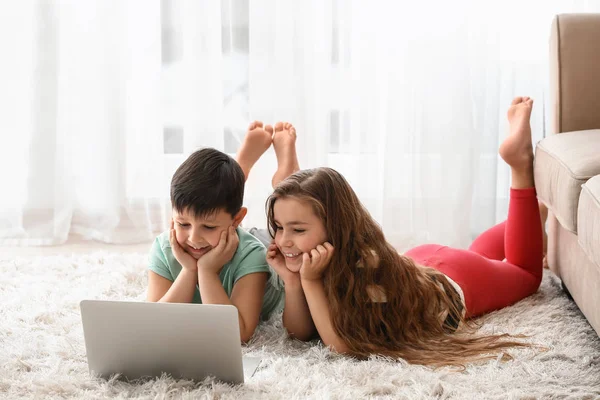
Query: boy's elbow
pixel 154 299
pixel 246 332
pixel 246 336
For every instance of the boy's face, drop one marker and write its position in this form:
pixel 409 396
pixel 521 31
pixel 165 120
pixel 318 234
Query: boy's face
pixel 299 230
pixel 198 235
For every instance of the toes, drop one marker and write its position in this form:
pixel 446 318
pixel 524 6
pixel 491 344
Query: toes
pixel 255 124
pixel 285 126
pixel 528 100
pixel 269 129
pixel 516 101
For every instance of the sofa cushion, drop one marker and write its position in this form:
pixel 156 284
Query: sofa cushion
pixel 564 162
pixel 588 219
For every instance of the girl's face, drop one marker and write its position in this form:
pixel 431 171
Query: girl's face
pixel 299 230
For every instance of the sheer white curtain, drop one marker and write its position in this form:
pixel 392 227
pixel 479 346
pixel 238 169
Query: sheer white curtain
pixel 81 120
pixel 102 100
pixel 406 99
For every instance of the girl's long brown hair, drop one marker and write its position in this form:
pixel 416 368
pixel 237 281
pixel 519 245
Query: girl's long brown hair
pixel 408 324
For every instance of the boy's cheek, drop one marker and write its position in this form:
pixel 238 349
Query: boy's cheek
pixel 214 239
pixel 178 236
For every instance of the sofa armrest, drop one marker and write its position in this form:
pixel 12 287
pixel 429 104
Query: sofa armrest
pixel 562 164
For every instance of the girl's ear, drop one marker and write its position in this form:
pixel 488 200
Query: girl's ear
pixel 237 219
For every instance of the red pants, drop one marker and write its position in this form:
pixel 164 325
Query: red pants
pixel 488 282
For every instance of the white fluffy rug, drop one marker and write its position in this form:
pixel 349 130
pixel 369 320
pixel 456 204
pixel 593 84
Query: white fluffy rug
pixel 42 353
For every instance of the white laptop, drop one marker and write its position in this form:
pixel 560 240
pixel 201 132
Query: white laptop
pixel 143 340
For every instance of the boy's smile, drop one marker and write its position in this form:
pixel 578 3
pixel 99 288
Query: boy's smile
pixel 198 235
pixel 197 252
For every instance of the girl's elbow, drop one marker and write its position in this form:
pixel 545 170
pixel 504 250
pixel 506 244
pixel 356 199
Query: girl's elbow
pixel 339 347
pixel 302 336
pixel 303 333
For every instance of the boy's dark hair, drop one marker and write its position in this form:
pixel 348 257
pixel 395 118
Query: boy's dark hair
pixel 208 181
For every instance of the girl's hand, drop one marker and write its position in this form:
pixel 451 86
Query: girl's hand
pixel 315 263
pixel 216 258
pixel 185 259
pixel 277 261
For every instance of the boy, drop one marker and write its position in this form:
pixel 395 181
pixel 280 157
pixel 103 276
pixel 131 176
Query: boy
pixel 206 257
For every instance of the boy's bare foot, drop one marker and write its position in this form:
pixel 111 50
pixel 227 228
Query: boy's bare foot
pixel 517 149
pixel 284 143
pixel 544 217
pixel 256 142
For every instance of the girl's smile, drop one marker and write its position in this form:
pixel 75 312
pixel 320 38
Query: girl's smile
pixel 298 230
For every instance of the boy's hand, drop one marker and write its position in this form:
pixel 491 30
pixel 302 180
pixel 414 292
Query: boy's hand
pixel 277 261
pixel 315 263
pixel 185 259
pixel 216 258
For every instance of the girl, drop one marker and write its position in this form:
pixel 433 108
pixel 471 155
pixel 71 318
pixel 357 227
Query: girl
pixel 345 281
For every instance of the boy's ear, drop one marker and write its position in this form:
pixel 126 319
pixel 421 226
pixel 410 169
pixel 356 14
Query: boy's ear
pixel 237 219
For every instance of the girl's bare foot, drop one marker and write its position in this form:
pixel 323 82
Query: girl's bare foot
pixel 517 149
pixel 284 143
pixel 256 142
pixel 544 217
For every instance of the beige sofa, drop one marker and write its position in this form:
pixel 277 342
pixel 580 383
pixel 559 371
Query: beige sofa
pixel 567 162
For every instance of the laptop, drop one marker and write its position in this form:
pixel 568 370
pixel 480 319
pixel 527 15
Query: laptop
pixel 144 340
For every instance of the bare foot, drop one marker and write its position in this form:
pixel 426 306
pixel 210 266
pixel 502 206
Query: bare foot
pixel 517 149
pixel 544 217
pixel 256 142
pixel 284 143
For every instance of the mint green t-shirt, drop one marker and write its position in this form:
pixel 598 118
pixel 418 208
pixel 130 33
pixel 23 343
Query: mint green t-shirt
pixel 249 258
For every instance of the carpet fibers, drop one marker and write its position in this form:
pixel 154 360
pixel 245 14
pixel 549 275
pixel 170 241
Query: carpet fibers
pixel 42 352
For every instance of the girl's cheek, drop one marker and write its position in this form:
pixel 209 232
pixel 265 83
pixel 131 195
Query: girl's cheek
pixel 279 239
